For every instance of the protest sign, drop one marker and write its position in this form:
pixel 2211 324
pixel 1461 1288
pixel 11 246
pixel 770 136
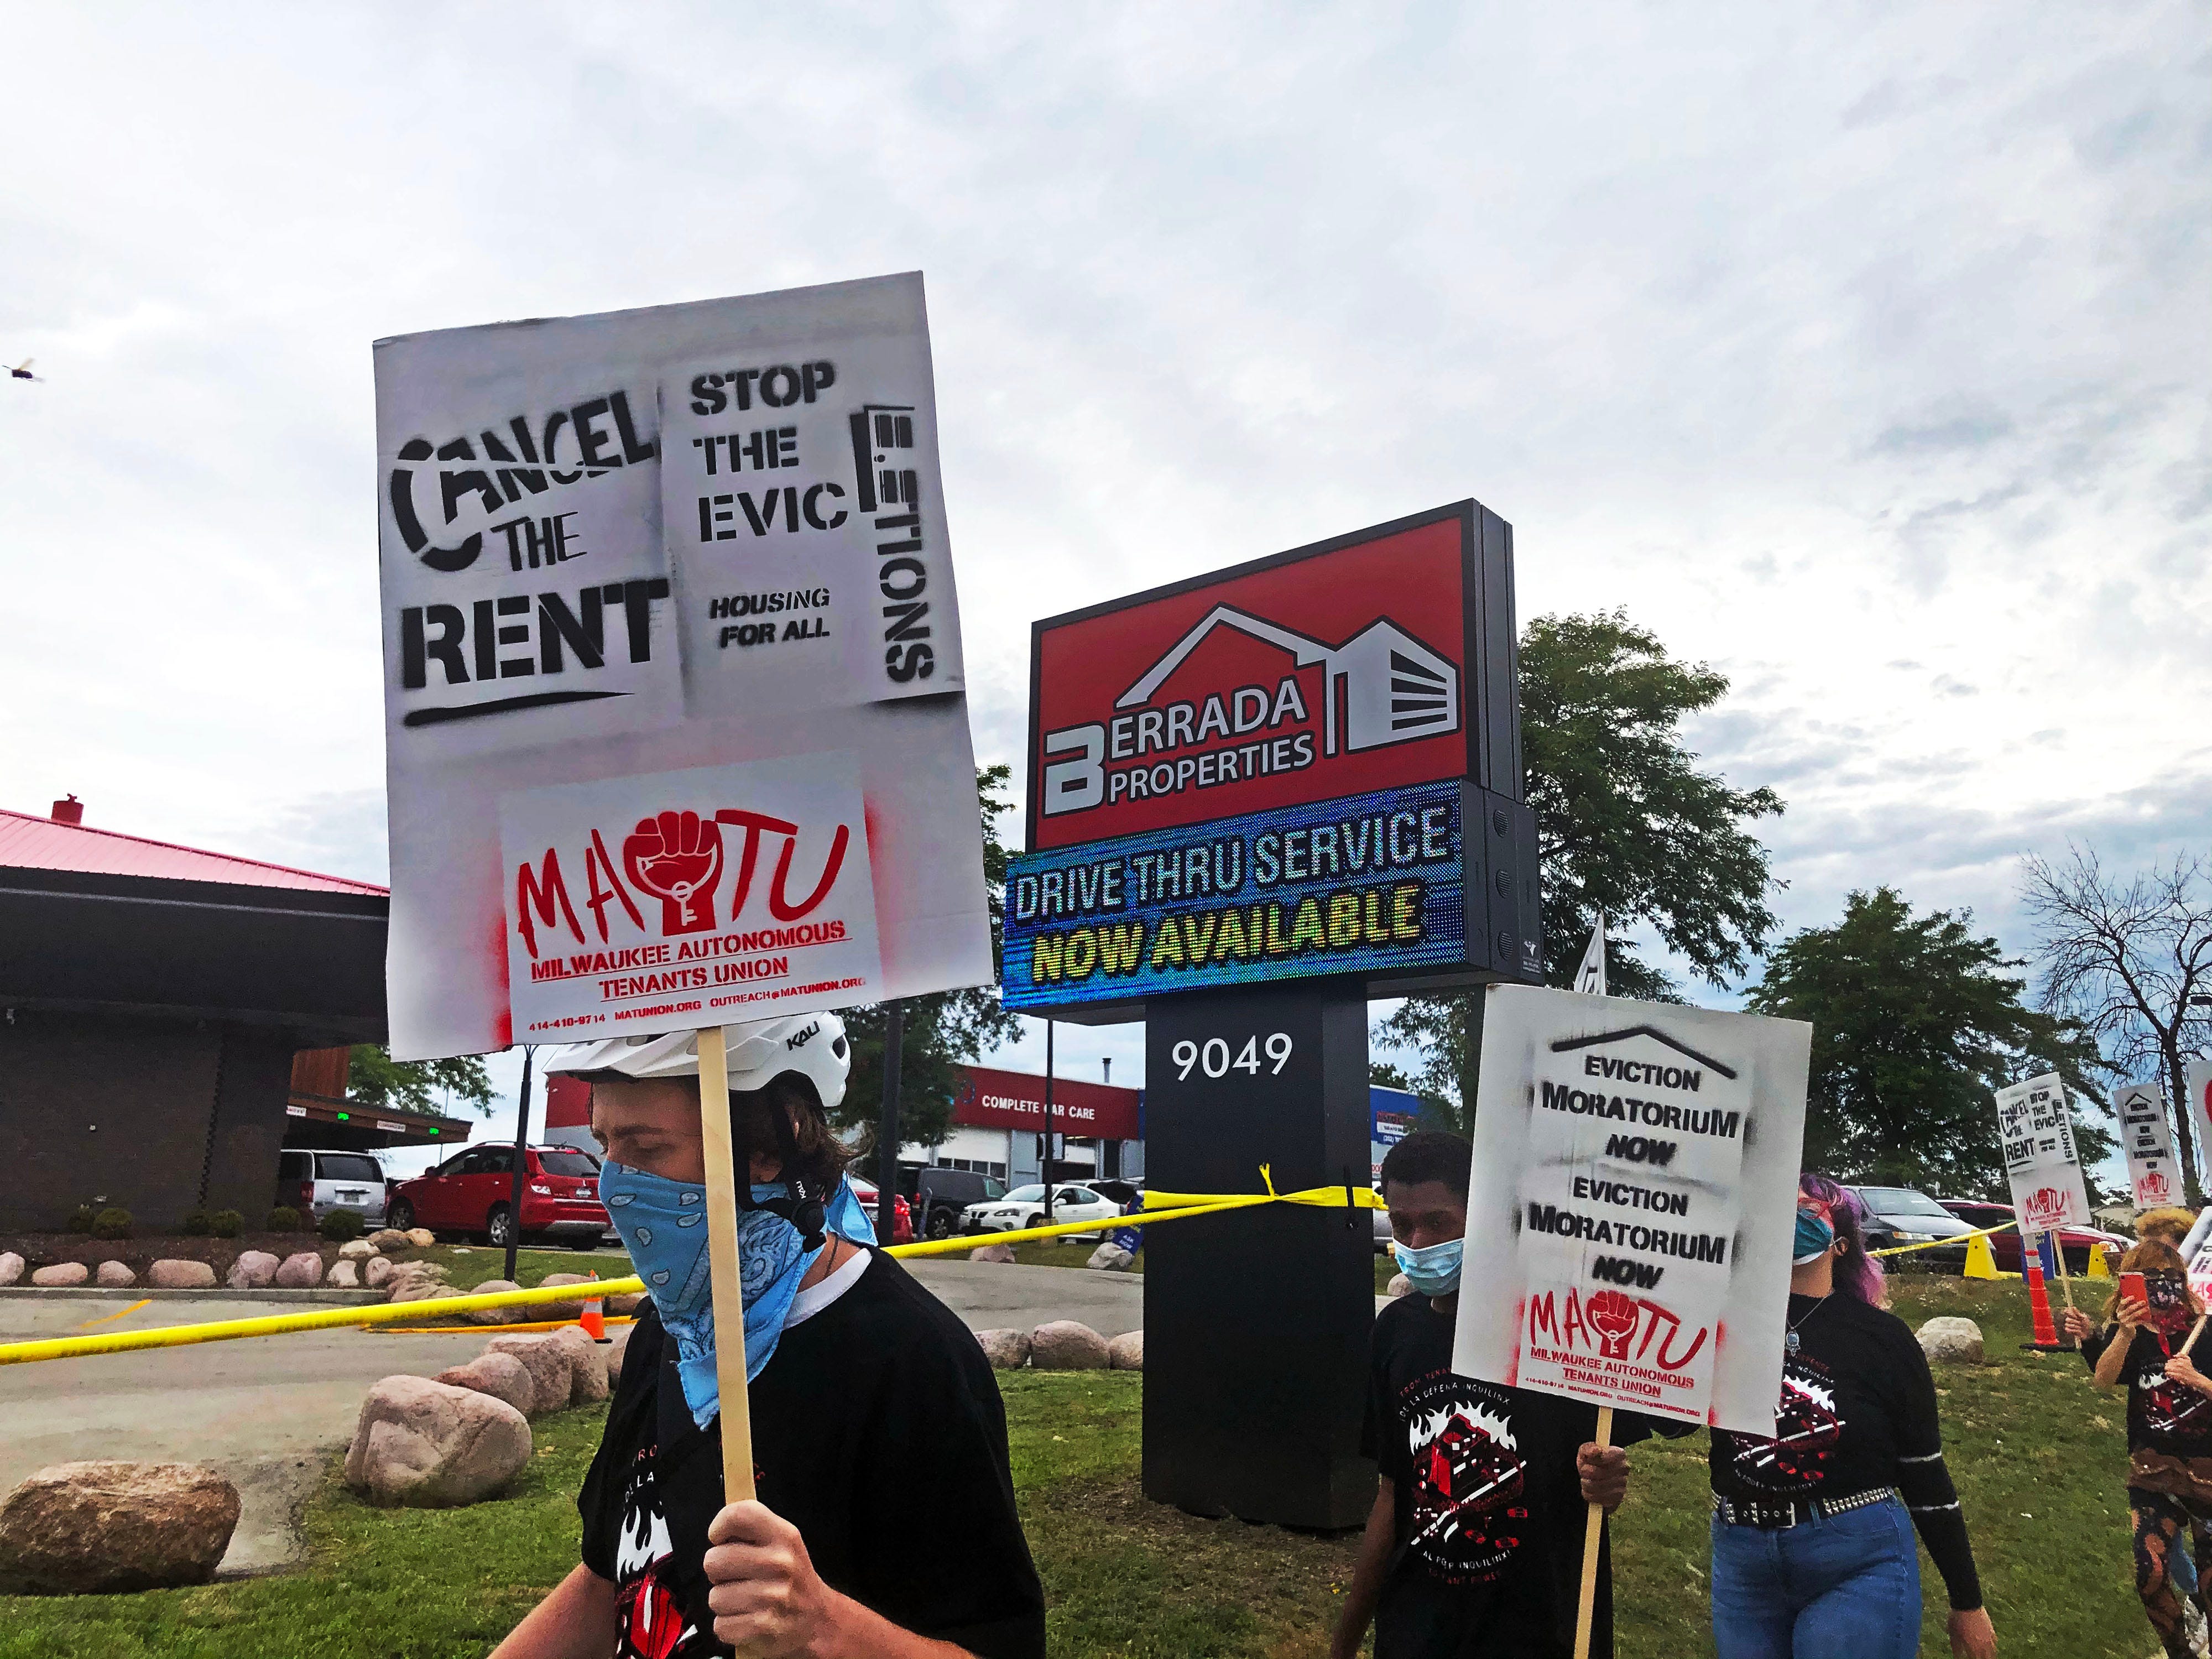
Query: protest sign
pixel 2153 1174
pixel 2199 1075
pixel 2040 1160
pixel 1632 1203
pixel 671 642
pixel 1590 977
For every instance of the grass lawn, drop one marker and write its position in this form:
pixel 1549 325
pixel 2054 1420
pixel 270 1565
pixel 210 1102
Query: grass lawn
pixel 468 1265
pixel 2040 1456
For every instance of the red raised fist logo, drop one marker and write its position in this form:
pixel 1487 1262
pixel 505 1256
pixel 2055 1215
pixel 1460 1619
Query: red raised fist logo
pixel 1612 1315
pixel 676 857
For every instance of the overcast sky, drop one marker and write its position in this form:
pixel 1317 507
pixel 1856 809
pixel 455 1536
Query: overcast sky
pixel 1859 351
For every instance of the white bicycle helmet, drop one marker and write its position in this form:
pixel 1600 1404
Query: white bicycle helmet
pixel 814 1046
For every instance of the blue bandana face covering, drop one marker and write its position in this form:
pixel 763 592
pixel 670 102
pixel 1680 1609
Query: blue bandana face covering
pixel 663 1224
pixel 1815 1235
pixel 1433 1270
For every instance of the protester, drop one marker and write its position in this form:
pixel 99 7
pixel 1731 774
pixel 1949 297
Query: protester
pixel 863 1387
pixel 1812 1555
pixel 2169 1227
pixel 1474 1549
pixel 2169 1432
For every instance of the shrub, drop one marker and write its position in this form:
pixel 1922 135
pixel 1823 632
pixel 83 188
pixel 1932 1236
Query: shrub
pixel 340 1225
pixel 283 1220
pixel 111 1224
pixel 195 1223
pixel 226 1224
pixel 80 1218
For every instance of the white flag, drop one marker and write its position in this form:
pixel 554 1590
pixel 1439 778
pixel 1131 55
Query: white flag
pixel 1590 978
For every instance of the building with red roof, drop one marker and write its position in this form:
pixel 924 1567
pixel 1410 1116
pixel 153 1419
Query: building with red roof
pixel 153 1000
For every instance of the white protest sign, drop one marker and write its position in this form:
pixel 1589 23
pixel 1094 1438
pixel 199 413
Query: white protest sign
pixel 1590 977
pixel 1632 1203
pixel 2199 1075
pixel 669 560
pixel 2153 1174
pixel 2040 1161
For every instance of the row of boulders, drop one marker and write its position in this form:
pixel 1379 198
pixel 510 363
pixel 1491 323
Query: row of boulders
pixel 165 1275
pixel 1109 1257
pixel 360 1262
pixel 440 1443
pixel 94 1528
pixel 1064 1345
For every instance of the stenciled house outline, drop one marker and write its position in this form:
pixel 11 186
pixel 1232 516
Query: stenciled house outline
pixel 1424 693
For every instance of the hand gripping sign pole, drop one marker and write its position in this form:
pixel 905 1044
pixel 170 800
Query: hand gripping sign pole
pixel 722 1267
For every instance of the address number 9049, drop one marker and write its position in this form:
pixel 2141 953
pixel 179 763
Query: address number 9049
pixel 1213 1056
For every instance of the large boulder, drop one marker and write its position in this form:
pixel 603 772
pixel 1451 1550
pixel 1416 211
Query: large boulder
pixel 254 1270
pixel 428 1445
pixel 116 1275
pixel 1007 1351
pixel 502 1376
pixel 86 1528
pixel 301 1270
pixel 375 1272
pixel 549 1363
pixel 495 1316
pixel 11 1267
pixel 625 1304
pixel 992 1253
pixel 62 1274
pixel 1951 1341
pixel 538 1310
pixel 587 1372
pixel 1111 1258
pixel 357 1249
pixel 417 1290
pixel 1399 1285
pixel 617 1346
pixel 174 1273
pixel 344 1276
pixel 1125 1353
pixel 1067 1344
pixel 421 1237
pixel 390 1238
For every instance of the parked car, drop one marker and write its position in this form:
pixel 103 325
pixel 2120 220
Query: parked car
pixel 472 1191
pixel 1024 1207
pixel 1383 1236
pixel 941 1195
pixel 314 1182
pixel 1899 1215
pixel 901 1214
pixel 2006 1248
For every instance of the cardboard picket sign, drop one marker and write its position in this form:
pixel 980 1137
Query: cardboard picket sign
pixel 2154 1175
pixel 669 618
pixel 1632 1203
pixel 2045 1169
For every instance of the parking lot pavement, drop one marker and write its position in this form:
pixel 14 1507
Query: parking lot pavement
pixel 269 1411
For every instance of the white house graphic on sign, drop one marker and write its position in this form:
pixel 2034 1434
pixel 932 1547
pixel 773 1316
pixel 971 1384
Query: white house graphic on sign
pixel 1380 686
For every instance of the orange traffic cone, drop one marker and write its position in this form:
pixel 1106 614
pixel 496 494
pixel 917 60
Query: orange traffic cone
pixel 595 1321
pixel 2038 1302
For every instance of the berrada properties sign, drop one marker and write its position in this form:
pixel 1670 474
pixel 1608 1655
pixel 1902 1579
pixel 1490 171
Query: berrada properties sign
pixel 1305 765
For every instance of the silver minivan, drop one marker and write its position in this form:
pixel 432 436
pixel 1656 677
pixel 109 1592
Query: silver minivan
pixel 314 1182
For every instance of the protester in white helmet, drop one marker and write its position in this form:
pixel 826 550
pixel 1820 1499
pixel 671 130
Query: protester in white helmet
pixel 864 1389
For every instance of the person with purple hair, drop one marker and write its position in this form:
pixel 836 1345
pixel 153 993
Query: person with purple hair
pixel 1813 1554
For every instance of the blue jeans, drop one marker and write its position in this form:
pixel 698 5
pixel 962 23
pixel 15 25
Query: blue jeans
pixel 1844 1587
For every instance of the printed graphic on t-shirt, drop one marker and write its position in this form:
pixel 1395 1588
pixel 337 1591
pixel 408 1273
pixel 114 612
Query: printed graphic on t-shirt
pixel 1806 1426
pixel 2170 1408
pixel 1468 1517
pixel 650 1621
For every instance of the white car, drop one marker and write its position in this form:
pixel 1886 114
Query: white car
pixel 1024 1207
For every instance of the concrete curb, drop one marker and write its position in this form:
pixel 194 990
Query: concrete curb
pixel 215 1294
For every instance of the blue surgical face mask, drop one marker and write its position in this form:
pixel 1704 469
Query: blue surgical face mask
pixel 1814 1237
pixel 663 1224
pixel 1433 1270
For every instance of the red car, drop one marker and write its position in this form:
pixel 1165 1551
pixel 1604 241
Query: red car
pixel 901 1214
pixel 472 1191
pixel 2005 1247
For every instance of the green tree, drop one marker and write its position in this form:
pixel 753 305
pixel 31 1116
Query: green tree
pixel 1916 1026
pixel 1626 824
pixel 942 1028
pixel 381 1082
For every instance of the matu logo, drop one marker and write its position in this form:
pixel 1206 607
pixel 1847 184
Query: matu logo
pixel 1611 1325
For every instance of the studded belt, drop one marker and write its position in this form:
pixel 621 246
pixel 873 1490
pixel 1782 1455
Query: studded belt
pixel 1778 1515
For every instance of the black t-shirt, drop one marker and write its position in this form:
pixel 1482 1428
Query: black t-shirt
pixel 2162 1417
pixel 877 1432
pixel 1487 1551
pixel 1858 1412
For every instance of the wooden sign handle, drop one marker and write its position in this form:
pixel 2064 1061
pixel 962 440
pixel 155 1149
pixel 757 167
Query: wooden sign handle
pixel 722 1267
pixel 2198 1331
pixel 2065 1280
pixel 1586 1607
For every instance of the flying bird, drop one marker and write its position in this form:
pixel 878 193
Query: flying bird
pixel 22 371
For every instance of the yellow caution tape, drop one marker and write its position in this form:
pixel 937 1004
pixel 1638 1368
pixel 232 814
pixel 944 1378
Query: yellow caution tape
pixel 1955 1239
pixel 1174 1206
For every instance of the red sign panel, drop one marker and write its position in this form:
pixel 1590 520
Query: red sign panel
pixel 992 1099
pixel 1304 678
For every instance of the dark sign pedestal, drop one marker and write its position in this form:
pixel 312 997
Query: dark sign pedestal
pixel 1256 1321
